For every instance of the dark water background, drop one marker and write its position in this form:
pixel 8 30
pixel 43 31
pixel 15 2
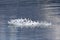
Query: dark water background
pixel 42 10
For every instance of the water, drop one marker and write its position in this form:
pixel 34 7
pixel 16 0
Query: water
pixel 42 10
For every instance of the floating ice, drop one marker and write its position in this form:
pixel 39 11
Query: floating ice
pixel 26 23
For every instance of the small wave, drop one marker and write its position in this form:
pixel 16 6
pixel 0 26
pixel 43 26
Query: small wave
pixel 27 23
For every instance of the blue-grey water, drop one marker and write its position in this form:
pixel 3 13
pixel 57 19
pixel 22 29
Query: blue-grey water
pixel 42 10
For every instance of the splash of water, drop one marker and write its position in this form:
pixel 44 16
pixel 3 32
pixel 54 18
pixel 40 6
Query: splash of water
pixel 27 23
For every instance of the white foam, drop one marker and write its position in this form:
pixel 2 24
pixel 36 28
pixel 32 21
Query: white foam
pixel 27 23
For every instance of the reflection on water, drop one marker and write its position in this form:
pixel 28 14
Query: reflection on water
pixel 42 10
pixel 26 34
